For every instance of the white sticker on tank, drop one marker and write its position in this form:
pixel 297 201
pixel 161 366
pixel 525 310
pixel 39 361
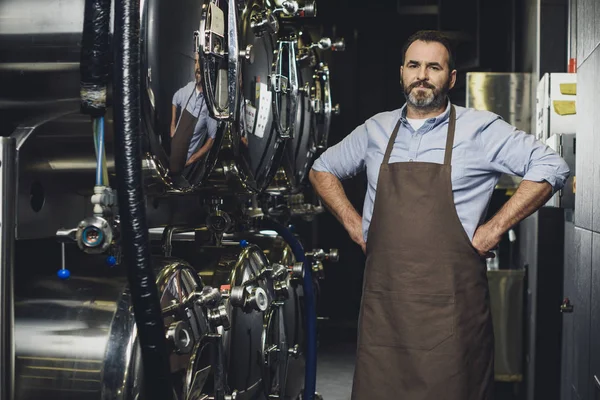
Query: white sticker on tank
pixel 217 20
pixel 250 114
pixel 264 109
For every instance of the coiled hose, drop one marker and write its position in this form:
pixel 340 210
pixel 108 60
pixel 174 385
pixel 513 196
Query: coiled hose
pixel 135 240
pixel 310 377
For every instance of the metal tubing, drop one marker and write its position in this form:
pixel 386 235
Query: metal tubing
pixel 8 185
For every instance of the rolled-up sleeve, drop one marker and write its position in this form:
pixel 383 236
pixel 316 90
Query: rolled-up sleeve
pixel 514 152
pixel 347 158
pixel 177 98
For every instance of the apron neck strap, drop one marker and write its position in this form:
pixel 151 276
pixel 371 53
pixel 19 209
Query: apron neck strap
pixel 449 139
pixel 390 146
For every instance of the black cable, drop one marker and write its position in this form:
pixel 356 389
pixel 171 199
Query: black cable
pixel 95 57
pixel 135 238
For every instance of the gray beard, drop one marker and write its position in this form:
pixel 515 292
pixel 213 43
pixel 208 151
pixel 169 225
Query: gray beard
pixel 433 102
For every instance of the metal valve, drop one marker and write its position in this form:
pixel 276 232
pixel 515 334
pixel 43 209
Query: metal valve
pixel 264 22
pixel 218 317
pixel 254 298
pixel 320 255
pixel 291 8
pixel 258 299
pixel 281 290
pixel 278 272
pixel 248 54
pixel 297 270
pixel 93 235
pixel 180 338
pixel 208 296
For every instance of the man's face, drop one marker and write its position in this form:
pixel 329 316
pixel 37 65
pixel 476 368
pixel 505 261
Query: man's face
pixel 426 77
pixel 197 69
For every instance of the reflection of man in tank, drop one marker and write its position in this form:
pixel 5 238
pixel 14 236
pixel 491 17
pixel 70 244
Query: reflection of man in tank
pixel 193 134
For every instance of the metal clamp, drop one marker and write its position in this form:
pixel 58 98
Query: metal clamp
pixel 179 337
pixel 285 87
pixel 219 317
pixel 249 298
pixel 214 44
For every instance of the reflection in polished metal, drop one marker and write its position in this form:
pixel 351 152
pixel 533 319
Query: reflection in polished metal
pixel 506 94
pixel 175 112
pixel 8 190
pixel 284 85
pixel 76 339
pixel 256 147
pixel 324 116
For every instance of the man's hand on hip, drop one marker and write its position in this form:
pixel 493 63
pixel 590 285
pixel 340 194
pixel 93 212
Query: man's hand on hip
pixel 356 234
pixel 485 239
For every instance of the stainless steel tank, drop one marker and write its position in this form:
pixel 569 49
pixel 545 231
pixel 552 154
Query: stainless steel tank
pixel 255 146
pixel 278 251
pixel 302 147
pixel 256 348
pixel 40 45
pixel 76 339
pixel 240 275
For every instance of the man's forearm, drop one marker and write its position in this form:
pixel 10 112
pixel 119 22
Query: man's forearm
pixel 528 198
pixel 203 150
pixel 330 190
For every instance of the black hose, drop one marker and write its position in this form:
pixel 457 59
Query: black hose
pixel 135 240
pixel 95 57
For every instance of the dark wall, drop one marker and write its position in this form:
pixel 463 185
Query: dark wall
pixel 366 80
pixel 582 350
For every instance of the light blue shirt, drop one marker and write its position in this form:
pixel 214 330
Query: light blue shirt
pixel 196 105
pixel 485 146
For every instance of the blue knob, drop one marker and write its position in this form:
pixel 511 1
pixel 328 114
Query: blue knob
pixel 243 243
pixel 63 274
pixel 292 228
pixel 111 261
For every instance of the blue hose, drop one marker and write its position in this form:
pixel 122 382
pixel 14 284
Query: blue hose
pixel 310 378
pixel 100 155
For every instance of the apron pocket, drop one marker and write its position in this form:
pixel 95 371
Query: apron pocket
pixel 408 320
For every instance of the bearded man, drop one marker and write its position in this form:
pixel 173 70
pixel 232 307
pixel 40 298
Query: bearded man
pixel 425 329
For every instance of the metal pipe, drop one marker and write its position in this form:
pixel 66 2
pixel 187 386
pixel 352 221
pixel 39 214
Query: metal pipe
pixel 128 163
pixel 8 185
pixel 167 237
pixel 310 378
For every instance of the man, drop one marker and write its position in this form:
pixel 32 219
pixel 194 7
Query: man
pixel 425 329
pixel 194 133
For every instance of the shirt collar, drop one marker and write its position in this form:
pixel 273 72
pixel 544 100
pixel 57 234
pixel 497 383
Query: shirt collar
pixel 433 121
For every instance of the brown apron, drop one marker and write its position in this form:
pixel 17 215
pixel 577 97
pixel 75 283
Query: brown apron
pixel 425 328
pixel 180 142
